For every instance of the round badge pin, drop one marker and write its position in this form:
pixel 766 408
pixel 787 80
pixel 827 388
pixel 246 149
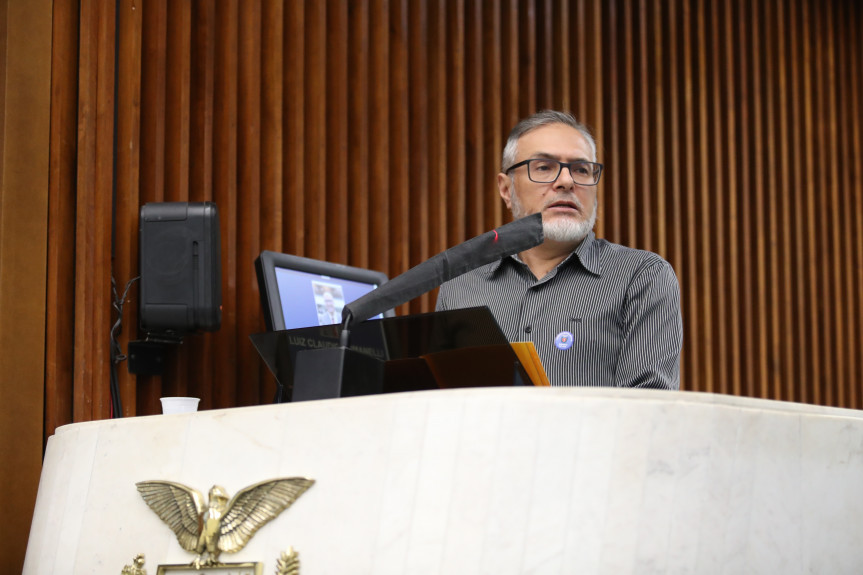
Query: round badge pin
pixel 563 340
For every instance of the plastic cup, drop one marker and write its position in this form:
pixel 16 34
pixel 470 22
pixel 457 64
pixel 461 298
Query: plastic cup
pixel 171 405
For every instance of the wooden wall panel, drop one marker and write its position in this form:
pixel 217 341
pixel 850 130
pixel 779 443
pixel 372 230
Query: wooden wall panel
pixel 369 132
pixel 26 125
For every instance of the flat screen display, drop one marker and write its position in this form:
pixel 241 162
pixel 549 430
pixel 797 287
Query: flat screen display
pixel 299 292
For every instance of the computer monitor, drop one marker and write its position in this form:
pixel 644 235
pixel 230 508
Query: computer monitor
pixel 302 292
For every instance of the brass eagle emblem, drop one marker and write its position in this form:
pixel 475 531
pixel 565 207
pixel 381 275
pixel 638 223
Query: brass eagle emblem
pixel 219 525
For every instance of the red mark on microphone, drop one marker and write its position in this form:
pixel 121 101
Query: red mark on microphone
pixel 495 235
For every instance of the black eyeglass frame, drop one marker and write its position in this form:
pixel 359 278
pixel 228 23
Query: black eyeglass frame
pixel 596 166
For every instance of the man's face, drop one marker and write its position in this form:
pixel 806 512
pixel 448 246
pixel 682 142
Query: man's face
pixel 328 302
pixel 568 209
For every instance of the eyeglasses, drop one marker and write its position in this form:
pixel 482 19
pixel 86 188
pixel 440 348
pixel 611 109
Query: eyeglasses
pixel 545 171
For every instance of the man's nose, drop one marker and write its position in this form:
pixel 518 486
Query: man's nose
pixel 564 178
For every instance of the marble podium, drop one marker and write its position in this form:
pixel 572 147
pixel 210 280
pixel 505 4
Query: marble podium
pixel 492 480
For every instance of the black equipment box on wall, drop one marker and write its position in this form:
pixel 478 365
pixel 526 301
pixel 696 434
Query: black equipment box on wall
pixel 181 269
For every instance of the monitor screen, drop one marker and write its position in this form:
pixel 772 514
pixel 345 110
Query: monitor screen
pixel 301 292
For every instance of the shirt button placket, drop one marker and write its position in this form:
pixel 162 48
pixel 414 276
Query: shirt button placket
pixel 528 311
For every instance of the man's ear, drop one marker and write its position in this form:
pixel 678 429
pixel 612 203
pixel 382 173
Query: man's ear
pixel 504 186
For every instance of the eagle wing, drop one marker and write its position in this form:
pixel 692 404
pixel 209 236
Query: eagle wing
pixel 255 506
pixel 178 506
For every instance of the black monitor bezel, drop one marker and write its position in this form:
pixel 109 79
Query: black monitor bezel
pixel 268 261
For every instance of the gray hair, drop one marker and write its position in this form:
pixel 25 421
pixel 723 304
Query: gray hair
pixel 538 120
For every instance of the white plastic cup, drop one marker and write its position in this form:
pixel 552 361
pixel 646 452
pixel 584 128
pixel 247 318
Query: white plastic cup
pixel 171 405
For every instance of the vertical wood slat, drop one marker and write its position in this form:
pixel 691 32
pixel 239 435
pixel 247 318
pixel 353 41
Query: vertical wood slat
pixel 845 183
pixel 151 187
pixel 675 147
pixel 701 167
pixel 456 137
pixel 628 233
pixel 178 102
pixel 83 358
pixel 786 280
pixel 528 48
pixel 418 191
pixel 199 372
pixel 399 124
pixel 827 219
pixel 802 332
pixel 610 216
pixel 127 199
pixel 379 152
pixel 512 34
pixel 771 351
pixel 654 110
pixel 336 128
pixel 359 138
pixel 642 173
pixel 248 193
pixel 812 259
pixel 834 213
pixel 270 210
pixel 226 373
pixel 177 150
pixel 854 215
pixel 272 126
pixel 315 100
pixel 439 176
pixel 857 248
pixel 93 237
pixel 493 138
pixel 294 104
pixel 734 384
pixel 102 211
pixel 716 202
pixel 722 127
pixel 691 281
pixel 60 287
pixel 474 105
pixel 202 94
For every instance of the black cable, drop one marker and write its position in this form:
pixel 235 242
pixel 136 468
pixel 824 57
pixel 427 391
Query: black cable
pixel 117 355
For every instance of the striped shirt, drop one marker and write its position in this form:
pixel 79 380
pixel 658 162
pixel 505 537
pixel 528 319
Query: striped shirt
pixel 607 315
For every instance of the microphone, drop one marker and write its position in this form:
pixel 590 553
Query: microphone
pixel 340 371
pixel 512 238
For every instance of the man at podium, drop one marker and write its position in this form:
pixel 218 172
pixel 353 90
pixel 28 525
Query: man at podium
pixel 599 314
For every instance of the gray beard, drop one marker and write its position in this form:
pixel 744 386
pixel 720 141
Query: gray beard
pixel 562 230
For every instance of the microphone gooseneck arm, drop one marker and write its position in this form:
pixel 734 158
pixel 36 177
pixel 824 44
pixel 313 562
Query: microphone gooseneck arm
pixel 345 335
pixel 509 239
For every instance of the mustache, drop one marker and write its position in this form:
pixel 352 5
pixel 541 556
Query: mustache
pixel 565 199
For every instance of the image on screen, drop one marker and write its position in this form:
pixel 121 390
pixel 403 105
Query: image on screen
pixel 310 299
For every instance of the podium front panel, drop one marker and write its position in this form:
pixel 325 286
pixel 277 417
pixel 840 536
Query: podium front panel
pixel 485 480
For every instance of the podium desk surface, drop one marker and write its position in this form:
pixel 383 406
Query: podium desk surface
pixel 491 480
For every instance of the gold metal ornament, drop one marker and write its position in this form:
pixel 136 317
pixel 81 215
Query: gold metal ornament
pixel 220 525
pixel 288 563
pixel 137 566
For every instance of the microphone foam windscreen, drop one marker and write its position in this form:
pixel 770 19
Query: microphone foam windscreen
pixel 509 239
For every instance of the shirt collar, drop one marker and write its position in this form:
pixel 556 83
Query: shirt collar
pixel 587 253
